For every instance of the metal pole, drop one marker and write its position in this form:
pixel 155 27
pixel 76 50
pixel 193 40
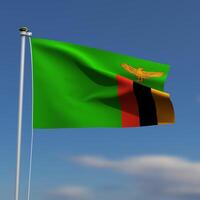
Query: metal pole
pixel 24 33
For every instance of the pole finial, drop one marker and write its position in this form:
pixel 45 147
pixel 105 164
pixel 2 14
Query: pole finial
pixel 24 31
pixel 23 28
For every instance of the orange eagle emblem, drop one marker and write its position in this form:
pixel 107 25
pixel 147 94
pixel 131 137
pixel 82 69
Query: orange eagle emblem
pixel 140 73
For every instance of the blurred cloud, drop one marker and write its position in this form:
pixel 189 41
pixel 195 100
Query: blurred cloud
pixel 70 192
pixel 157 176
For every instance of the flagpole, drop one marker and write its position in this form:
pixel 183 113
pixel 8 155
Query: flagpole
pixel 24 32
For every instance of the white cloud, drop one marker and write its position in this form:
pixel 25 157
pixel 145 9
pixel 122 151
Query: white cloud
pixel 72 192
pixel 163 175
pixel 93 161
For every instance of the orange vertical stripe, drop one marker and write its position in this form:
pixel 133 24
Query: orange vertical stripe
pixel 164 107
pixel 128 102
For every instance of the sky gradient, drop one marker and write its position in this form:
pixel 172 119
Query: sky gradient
pixel 160 162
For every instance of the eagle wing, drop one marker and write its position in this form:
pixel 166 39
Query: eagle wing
pixel 130 69
pixel 151 74
pixel 144 74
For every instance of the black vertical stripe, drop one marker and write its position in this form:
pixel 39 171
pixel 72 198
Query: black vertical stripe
pixel 146 105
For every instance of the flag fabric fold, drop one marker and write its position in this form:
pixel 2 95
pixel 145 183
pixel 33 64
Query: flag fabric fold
pixel 76 86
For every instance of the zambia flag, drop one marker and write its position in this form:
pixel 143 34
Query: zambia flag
pixel 77 86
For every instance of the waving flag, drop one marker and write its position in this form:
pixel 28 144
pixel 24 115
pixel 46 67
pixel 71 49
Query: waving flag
pixel 77 86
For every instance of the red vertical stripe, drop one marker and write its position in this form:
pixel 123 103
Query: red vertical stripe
pixel 128 102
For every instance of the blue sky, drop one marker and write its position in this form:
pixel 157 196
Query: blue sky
pixel 82 164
